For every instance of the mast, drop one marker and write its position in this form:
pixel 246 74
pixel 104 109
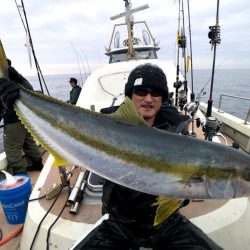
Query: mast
pixel 129 19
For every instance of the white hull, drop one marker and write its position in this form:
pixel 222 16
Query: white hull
pixel 234 127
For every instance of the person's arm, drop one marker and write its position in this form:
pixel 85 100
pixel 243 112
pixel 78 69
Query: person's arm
pixel 15 76
pixel 69 101
pixel 75 95
pixel 9 89
pixel 9 92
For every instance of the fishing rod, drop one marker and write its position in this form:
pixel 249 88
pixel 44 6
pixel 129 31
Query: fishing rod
pixel 192 95
pixel 83 65
pixel 184 46
pixel 214 36
pixel 181 41
pixel 192 107
pixel 80 71
pixel 87 62
pixel 209 79
pixel 99 59
pixel 212 125
pixel 30 43
pixel 177 84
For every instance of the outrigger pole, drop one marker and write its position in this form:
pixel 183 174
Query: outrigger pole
pixel 30 43
pixel 214 35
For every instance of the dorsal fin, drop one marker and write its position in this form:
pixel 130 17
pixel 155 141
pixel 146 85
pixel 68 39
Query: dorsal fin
pixel 127 113
pixel 165 207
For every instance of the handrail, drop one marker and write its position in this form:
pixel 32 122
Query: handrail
pixel 235 97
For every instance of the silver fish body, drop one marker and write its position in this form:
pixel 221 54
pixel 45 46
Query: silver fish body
pixel 137 156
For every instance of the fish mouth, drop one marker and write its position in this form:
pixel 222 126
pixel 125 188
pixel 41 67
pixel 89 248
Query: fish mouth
pixel 246 175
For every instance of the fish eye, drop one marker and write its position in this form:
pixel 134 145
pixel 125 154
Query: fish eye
pixel 246 175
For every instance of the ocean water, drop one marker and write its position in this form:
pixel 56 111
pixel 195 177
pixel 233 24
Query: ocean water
pixel 230 82
pixel 234 82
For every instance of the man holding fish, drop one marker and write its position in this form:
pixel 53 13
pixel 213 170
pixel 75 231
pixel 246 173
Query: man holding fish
pixel 137 219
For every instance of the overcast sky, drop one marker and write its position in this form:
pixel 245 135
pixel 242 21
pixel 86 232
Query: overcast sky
pixel 57 25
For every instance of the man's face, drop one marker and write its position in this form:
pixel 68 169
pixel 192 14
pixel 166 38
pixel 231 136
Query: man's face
pixel 72 84
pixel 148 102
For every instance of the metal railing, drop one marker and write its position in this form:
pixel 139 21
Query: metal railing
pixel 235 97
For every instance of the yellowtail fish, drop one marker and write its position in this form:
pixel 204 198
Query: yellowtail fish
pixel 122 148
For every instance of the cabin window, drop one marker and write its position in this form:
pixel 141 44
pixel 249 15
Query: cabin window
pixel 142 54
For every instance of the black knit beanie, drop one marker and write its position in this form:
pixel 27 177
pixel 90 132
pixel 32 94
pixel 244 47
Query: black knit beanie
pixel 149 76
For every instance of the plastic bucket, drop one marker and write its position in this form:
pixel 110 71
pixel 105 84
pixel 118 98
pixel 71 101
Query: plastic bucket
pixel 14 199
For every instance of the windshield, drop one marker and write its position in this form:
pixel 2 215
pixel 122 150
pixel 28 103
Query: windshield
pixel 122 55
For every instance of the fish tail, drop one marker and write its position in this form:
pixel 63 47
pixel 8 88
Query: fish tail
pixel 3 63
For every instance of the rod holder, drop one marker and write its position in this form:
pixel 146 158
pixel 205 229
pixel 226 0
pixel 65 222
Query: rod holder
pixel 76 188
pixel 78 195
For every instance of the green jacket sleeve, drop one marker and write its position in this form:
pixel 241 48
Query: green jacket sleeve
pixel 74 94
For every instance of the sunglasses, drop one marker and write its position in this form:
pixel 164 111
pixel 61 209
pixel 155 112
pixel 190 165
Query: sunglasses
pixel 146 91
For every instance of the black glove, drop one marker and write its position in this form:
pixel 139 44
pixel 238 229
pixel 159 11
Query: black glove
pixel 9 92
pixel 14 75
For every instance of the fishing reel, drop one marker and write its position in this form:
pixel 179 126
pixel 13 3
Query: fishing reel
pixel 182 99
pixel 191 107
pixel 178 84
pixel 171 99
pixel 211 127
pixel 181 95
pixel 214 34
pixel 182 41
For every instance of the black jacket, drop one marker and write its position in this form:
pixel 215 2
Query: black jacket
pixel 10 115
pixel 130 206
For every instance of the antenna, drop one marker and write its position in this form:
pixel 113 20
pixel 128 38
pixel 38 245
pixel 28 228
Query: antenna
pixel 129 12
